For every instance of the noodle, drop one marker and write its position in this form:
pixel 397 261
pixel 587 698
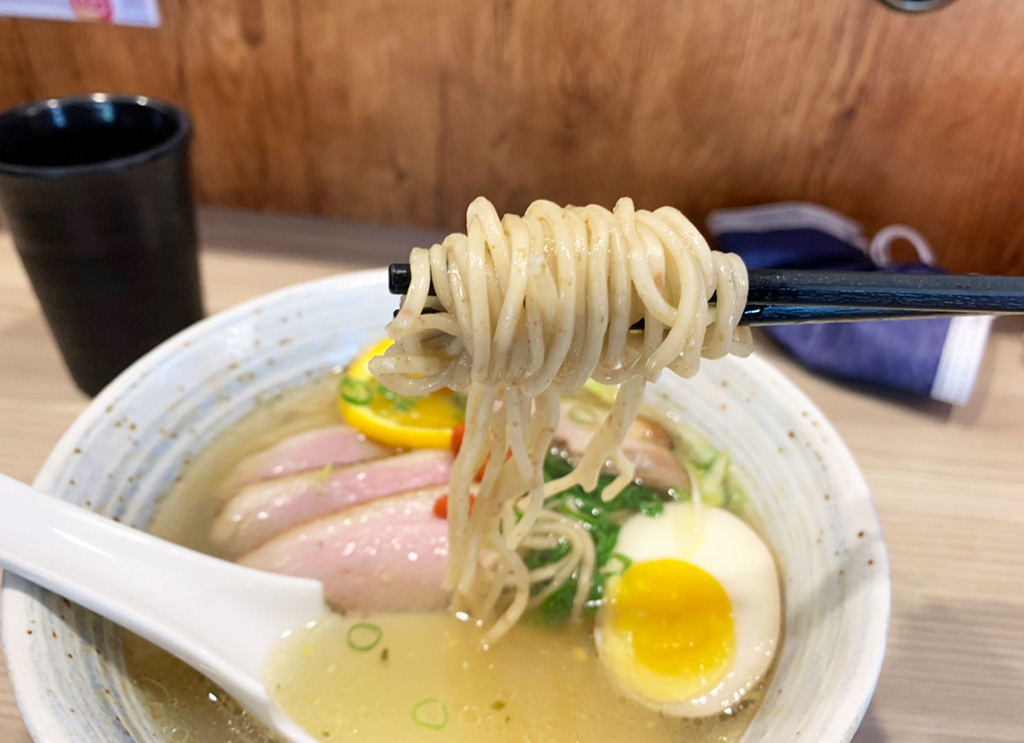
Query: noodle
pixel 526 309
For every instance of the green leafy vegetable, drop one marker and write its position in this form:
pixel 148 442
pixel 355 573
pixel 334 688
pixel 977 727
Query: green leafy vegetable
pixel 557 607
pixel 710 472
pixel 556 467
pixel 602 521
pixel 624 562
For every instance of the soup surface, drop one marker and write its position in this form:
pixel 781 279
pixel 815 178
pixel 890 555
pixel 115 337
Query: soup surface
pixel 389 676
pixel 426 678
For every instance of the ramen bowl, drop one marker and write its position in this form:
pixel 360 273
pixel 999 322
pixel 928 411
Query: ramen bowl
pixel 125 452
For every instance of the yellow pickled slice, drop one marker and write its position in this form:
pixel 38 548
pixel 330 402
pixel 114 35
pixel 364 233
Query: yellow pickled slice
pixel 424 422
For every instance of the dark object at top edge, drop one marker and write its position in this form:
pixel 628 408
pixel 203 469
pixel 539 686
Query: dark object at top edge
pixel 916 6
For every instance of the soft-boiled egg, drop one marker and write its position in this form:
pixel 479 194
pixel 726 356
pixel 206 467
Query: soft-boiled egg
pixel 692 625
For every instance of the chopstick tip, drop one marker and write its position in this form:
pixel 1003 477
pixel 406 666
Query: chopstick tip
pixel 399 278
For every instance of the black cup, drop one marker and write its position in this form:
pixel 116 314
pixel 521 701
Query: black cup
pixel 96 193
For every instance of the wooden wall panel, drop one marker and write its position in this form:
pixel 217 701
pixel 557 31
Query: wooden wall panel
pixel 55 58
pixel 372 75
pixel 243 86
pixel 396 111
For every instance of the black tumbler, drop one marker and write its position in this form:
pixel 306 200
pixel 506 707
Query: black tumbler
pixel 97 197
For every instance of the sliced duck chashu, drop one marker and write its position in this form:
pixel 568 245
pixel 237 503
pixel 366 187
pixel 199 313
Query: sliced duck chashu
pixel 386 555
pixel 647 444
pixel 332 446
pixel 262 510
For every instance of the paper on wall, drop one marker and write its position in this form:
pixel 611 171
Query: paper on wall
pixel 121 12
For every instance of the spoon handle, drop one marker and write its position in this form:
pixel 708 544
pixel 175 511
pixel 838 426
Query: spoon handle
pixel 214 615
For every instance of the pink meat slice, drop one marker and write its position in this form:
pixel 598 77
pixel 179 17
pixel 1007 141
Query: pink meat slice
pixel 387 555
pixel 264 509
pixel 331 446
pixel 656 465
pixel 647 445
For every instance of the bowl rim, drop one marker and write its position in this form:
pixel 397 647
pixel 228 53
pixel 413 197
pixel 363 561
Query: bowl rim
pixel 15 600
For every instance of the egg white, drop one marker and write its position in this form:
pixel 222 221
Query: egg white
pixel 731 552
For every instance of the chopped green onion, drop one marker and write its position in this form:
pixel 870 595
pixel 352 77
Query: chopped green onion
pixel 430 713
pixel 402 404
pixel 712 481
pixel 584 415
pixel 355 391
pixel 698 451
pixel 737 499
pixel 364 636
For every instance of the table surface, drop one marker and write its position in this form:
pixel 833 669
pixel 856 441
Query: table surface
pixel 947 481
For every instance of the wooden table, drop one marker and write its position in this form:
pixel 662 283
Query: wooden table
pixel 949 483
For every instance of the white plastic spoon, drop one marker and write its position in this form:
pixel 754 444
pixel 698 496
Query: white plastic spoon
pixel 220 618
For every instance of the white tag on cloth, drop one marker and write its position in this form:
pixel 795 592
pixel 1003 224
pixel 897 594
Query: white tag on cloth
pixel 960 359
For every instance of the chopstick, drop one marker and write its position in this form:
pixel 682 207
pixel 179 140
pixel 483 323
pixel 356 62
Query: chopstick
pixel 877 289
pixel 763 315
pixel 792 297
pixel 870 290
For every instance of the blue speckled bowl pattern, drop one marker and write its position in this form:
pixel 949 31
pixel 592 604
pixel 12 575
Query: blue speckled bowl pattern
pixel 125 451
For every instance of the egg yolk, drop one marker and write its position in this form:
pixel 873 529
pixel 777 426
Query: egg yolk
pixel 677 617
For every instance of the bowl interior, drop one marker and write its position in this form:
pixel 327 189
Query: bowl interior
pixel 126 450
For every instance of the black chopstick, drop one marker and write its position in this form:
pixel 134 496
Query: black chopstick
pixel 878 290
pixel 943 293
pixel 791 314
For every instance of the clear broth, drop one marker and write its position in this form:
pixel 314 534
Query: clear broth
pixel 535 685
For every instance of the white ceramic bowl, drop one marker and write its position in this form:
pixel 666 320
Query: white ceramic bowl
pixel 126 449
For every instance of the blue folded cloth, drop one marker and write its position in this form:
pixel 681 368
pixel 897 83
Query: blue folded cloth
pixel 937 357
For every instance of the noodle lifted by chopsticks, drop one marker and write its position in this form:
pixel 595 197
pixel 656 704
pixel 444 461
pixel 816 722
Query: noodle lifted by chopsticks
pixel 527 309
